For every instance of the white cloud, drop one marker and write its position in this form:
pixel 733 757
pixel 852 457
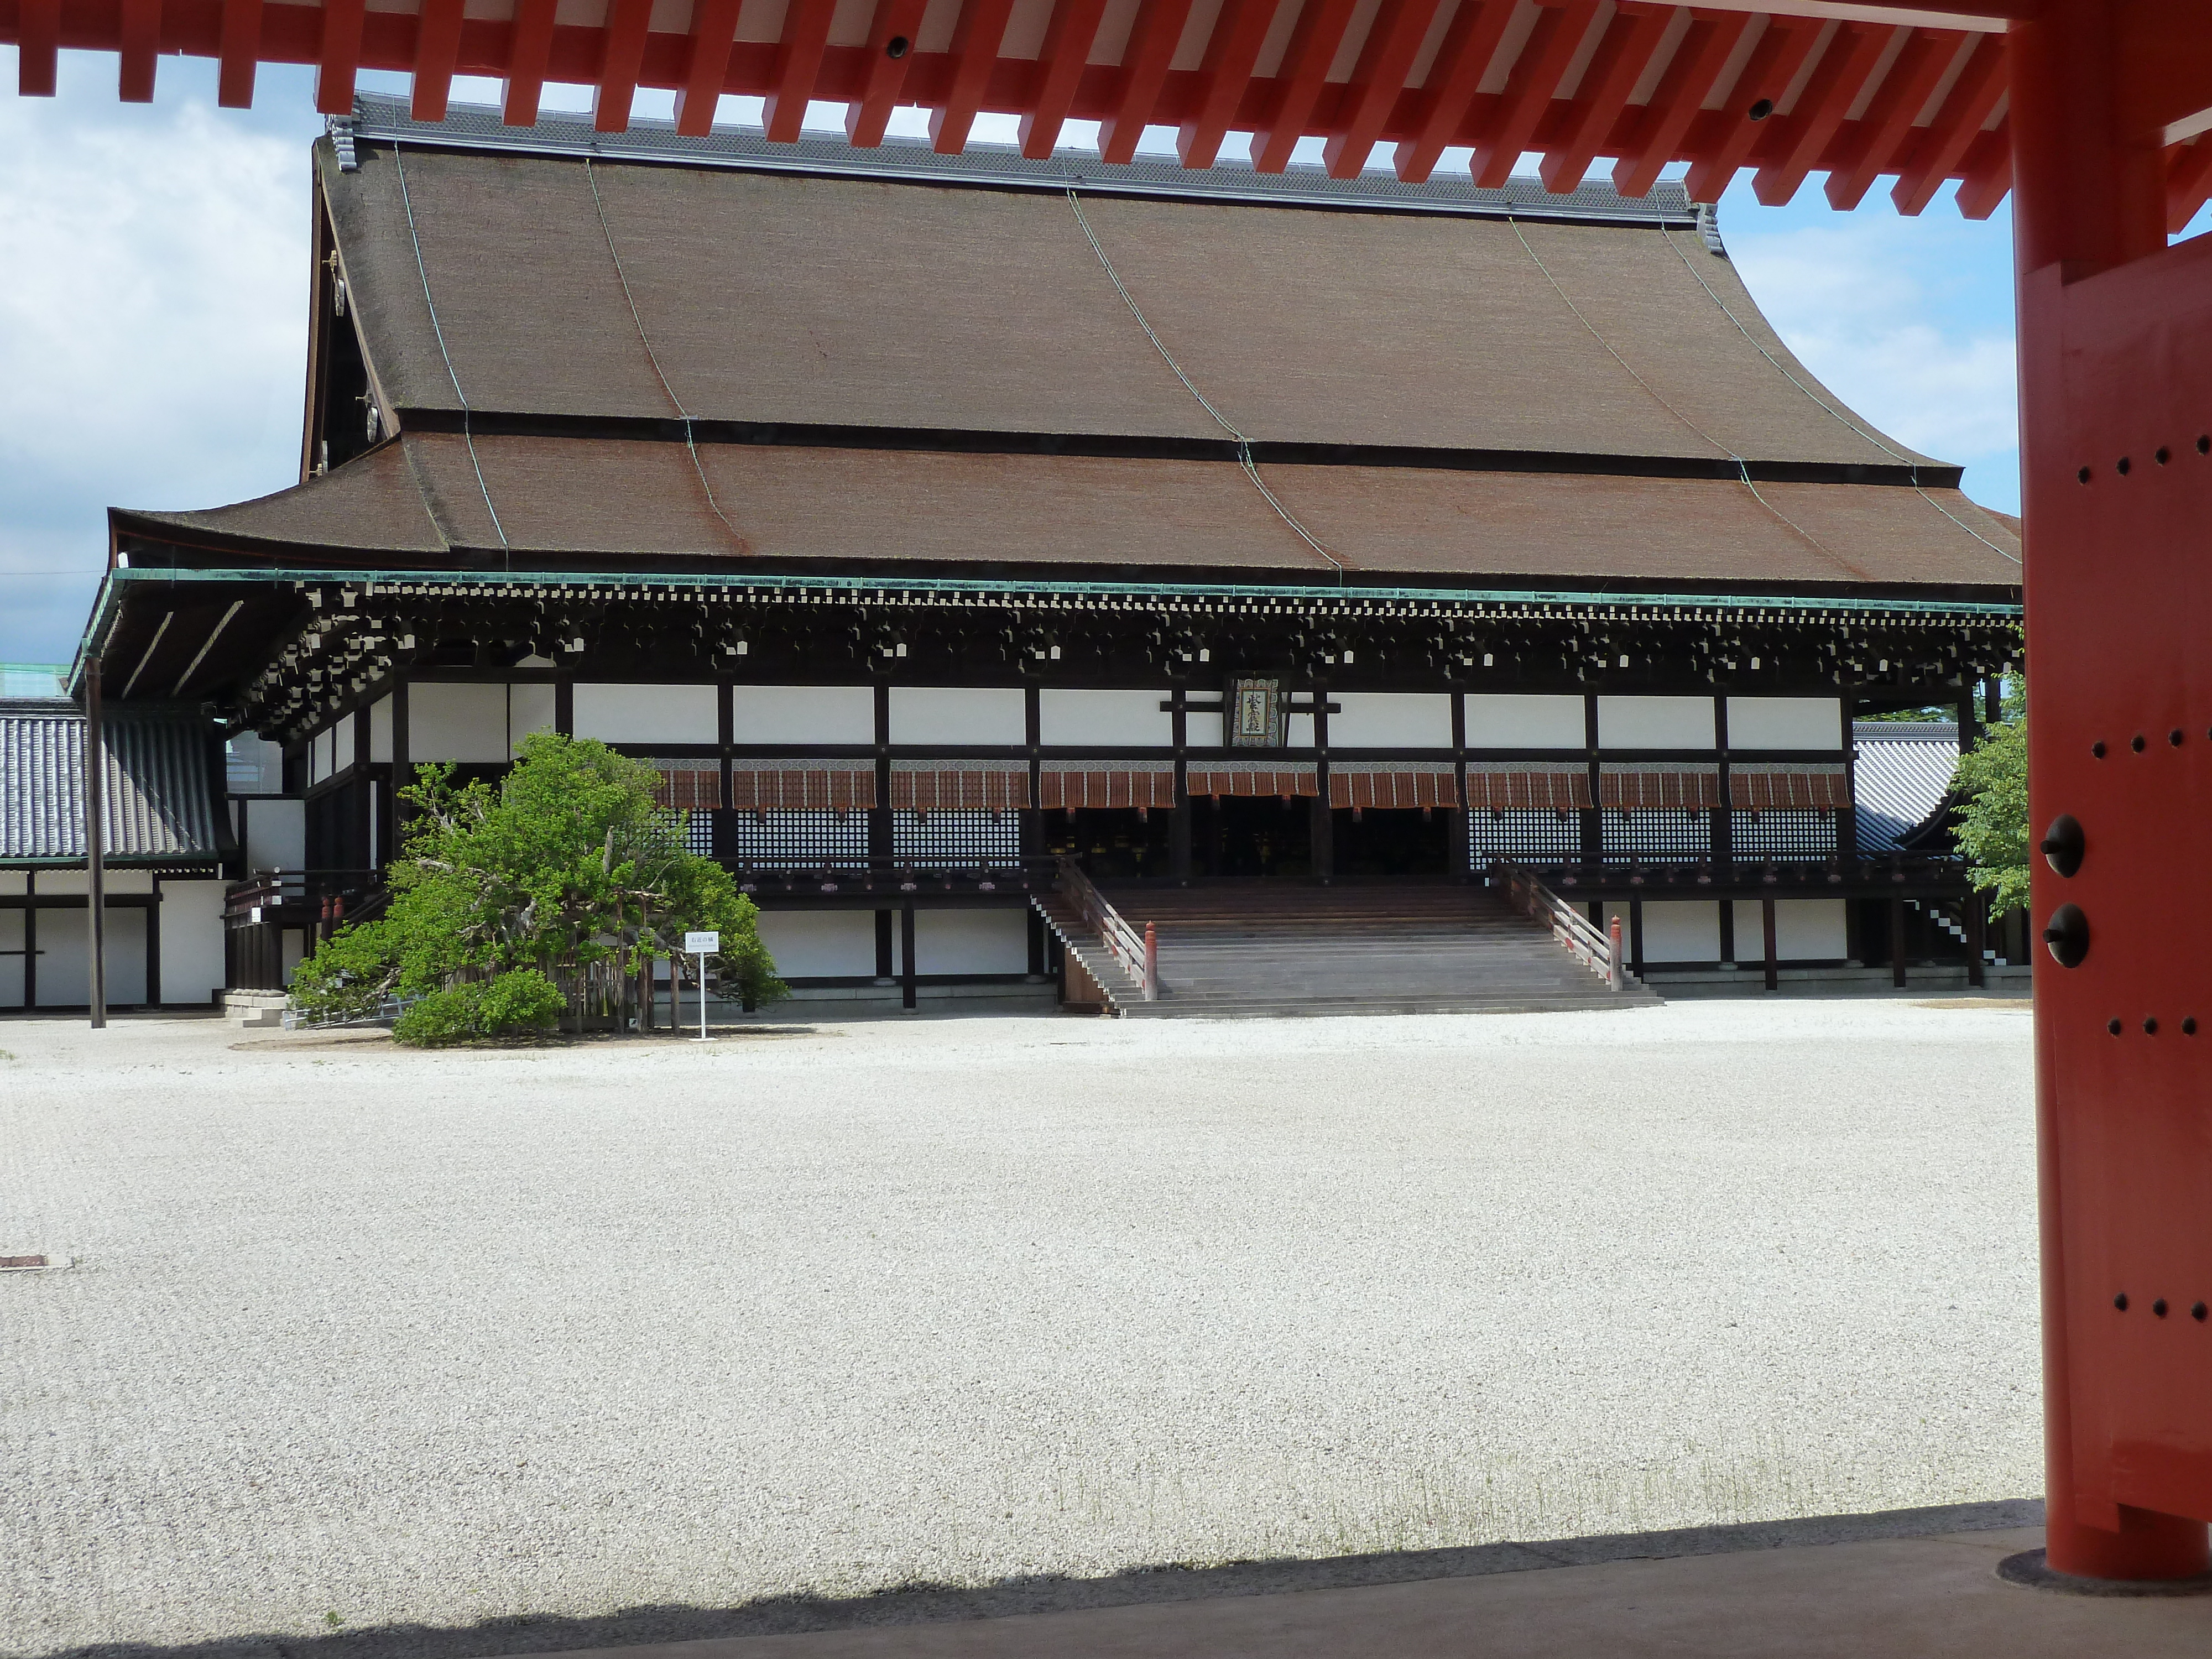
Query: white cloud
pixel 1886 313
pixel 153 334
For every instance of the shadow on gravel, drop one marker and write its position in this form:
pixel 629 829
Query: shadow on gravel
pixel 916 1604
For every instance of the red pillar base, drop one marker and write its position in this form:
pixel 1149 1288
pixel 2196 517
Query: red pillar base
pixel 2148 1545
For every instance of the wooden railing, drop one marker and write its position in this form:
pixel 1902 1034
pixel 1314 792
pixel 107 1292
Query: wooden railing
pixel 346 891
pixel 1138 953
pixel 1593 946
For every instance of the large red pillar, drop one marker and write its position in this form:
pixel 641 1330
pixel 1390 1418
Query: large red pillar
pixel 2115 416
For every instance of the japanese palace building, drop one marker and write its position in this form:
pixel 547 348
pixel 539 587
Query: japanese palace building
pixel 922 515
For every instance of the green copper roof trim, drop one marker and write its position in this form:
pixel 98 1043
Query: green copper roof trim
pixel 883 585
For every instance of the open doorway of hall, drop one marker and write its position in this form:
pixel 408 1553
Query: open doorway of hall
pixel 1395 842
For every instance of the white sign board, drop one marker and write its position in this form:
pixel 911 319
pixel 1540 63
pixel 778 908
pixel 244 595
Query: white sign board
pixel 701 945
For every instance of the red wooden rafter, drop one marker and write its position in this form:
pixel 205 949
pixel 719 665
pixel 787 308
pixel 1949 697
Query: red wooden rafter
pixel 1912 88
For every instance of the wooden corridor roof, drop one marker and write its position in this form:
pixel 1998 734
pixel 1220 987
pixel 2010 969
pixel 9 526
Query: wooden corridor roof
pixel 1856 90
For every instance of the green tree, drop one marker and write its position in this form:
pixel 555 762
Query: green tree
pixel 1991 782
pixel 546 894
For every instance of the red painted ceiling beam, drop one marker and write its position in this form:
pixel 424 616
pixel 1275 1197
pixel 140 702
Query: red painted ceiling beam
pixel 1758 93
pixel 706 65
pixel 1378 81
pixel 1461 60
pixel 1061 61
pixel 1614 69
pixel 891 54
pixel 1890 56
pixel 1529 89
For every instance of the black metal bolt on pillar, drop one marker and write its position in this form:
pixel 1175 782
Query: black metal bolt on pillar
pixel 95 823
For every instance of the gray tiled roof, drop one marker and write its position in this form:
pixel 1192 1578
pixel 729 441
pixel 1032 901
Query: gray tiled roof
pixel 1903 777
pixel 160 803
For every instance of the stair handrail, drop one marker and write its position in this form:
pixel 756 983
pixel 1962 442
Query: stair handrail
pixel 1123 941
pixel 1589 944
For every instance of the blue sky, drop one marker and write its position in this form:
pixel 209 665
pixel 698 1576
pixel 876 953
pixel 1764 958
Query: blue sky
pixel 153 313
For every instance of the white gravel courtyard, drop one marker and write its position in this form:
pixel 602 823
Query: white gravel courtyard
pixel 354 1336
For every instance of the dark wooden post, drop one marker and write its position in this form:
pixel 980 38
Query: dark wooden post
pixel 1593 817
pixel 905 951
pixel 1179 825
pixel 1462 862
pixel 1897 943
pixel 1723 833
pixel 1766 931
pixel 1636 936
pixel 1977 914
pixel 882 839
pixel 1323 837
pixel 154 948
pixel 95 831
pixel 30 938
pixel 401 777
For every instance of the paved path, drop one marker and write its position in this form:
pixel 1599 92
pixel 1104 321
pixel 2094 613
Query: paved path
pixel 1933 1597
pixel 395 1340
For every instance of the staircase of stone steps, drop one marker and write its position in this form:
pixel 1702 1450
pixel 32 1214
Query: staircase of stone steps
pixel 1092 967
pixel 1261 948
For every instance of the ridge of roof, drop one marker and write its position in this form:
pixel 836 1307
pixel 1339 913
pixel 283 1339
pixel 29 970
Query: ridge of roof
pixel 911 160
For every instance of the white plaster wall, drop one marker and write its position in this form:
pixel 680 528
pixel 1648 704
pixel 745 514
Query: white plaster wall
pixel 191 941
pixel 1298 732
pixel 1391 719
pixel 1124 718
pixel 1676 930
pixel 530 708
pixel 1805 930
pixel 820 944
pixel 1511 720
pixel 647 714
pixel 450 720
pixel 318 759
pixel 1655 722
pixel 1201 731
pixel 13 881
pixel 295 948
pixel 63 953
pixel 65 948
pixel 804 714
pixel 1785 723
pixel 342 743
pixel 276 835
pixel 970 942
pixel 379 731
pixel 932 715
pixel 77 882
